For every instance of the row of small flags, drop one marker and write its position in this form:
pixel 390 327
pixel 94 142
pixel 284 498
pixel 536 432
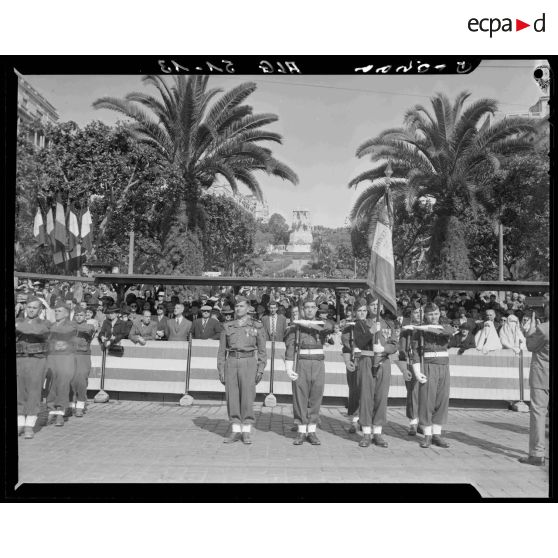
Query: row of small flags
pixel 61 230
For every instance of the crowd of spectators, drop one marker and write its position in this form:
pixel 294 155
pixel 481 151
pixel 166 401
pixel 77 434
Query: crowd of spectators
pixel 479 319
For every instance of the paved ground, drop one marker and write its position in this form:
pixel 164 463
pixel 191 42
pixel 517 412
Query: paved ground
pixel 131 441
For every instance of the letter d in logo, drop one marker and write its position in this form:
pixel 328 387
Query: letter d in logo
pixel 539 24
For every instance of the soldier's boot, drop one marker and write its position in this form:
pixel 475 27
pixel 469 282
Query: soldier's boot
pixel 299 440
pixel 379 441
pixel 313 439
pixel 366 441
pixel 427 442
pixel 437 440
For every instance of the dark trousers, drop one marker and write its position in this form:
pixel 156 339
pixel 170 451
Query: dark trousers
pixel 373 392
pixel 354 393
pixel 308 390
pixel 63 369
pixel 412 405
pixel 240 387
pixel 537 415
pixel 78 384
pixel 434 395
pixel 31 373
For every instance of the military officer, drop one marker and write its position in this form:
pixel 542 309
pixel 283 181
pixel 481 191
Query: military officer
pixel 31 351
pixel 374 371
pixel 241 340
pixel 308 380
pixel 434 387
pixel 85 334
pixel 61 360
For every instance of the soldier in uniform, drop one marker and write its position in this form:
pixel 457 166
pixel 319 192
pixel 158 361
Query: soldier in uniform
pixel 31 351
pixel 434 388
pixel 350 354
pixel 239 371
pixel 405 364
pixel 61 360
pixel 85 334
pixel 374 372
pixel 309 377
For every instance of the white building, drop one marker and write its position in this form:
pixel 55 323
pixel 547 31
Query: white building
pixel 33 107
pixel 260 210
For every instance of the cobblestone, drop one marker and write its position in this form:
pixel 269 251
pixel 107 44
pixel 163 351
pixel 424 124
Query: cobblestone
pixel 138 441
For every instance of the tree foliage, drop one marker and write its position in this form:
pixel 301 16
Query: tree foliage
pixel 444 154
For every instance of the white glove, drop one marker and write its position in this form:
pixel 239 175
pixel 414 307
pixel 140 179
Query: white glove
pixel 378 348
pixel 418 374
pixel 411 327
pixel 290 372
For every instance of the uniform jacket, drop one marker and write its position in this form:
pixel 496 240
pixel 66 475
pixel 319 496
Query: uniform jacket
pixel 178 332
pixel 62 337
pixel 33 331
pixel 433 342
pixel 364 340
pixel 84 336
pixel 212 329
pixel 242 337
pixel 280 327
pixel 119 330
pixel 539 345
pixel 309 339
pixel 148 332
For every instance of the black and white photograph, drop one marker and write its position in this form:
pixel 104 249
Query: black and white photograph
pixel 278 276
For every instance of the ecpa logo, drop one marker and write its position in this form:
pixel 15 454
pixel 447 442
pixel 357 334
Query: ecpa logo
pixel 494 24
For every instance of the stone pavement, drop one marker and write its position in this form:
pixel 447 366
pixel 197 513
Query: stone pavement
pixel 134 441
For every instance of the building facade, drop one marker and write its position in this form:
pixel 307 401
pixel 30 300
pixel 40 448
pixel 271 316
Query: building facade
pixel 260 210
pixel 33 108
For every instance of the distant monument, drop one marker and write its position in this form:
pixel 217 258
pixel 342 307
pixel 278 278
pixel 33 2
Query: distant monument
pixel 300 239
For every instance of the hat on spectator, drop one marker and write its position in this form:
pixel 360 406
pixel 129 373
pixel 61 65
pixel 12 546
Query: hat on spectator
pixel 125 310
pixel 206 308
pixel 21 297
pixel 227 310
pixel 241 299
pixel 251 310
pixel 430 307
pixel 61 304
pixel 113 309
pixel 360 303
pixel 464 326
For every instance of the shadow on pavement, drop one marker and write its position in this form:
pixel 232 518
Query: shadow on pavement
pixel 507 426
pixel 483 444
pixel 212 424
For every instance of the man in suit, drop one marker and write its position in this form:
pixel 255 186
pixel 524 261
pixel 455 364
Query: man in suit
pixel 178 328
pixel 538 342
pixel 160 321
pixel 275 325
pixel 144 330
pixel 206 327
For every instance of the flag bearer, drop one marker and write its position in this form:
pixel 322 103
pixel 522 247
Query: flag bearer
pixel 241 341
pixel 374 371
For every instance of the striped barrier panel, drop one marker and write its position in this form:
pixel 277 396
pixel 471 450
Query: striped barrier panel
pixel 160 366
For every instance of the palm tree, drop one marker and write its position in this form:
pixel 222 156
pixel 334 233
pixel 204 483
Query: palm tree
pixel 201 136
pixel 442 157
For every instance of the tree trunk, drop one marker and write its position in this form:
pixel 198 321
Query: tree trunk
pixel 500 251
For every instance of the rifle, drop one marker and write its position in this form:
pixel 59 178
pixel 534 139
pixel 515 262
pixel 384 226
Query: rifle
pixel 297 348
pixel 421 344
pixel 352 342
pixel 186 400
pixel 102 396
pixel 271 400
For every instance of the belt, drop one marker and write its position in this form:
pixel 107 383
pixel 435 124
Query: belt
pixel 241 354
pixel 311 352
pixel 372 354
pixel 24 348
pixel 436 354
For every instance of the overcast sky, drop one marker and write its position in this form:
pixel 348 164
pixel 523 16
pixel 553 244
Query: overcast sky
pixel 322 119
